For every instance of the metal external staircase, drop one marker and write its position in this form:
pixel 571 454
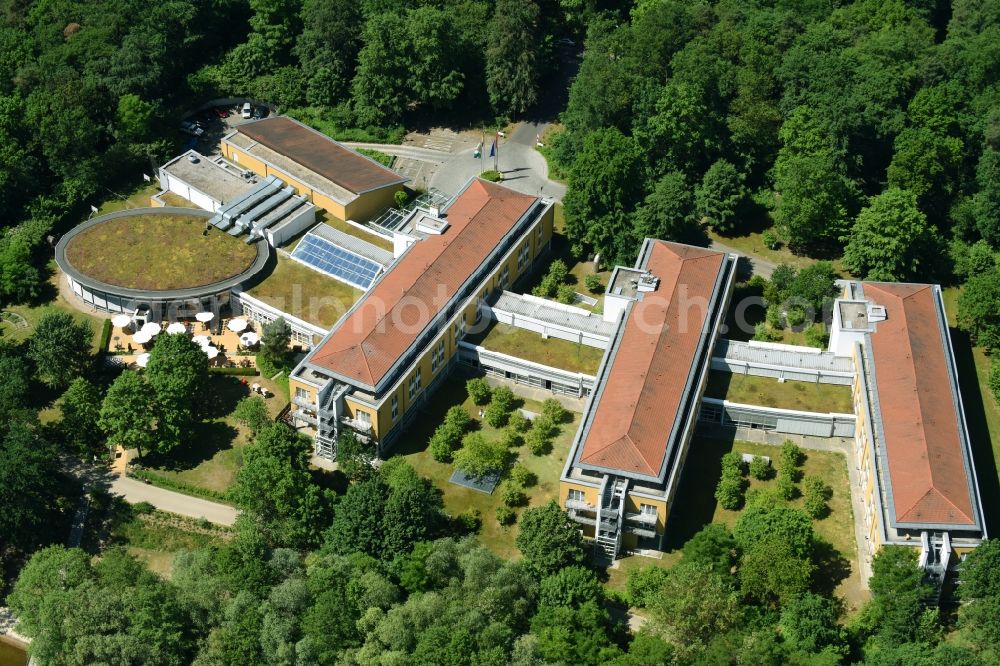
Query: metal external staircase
pixel 610 515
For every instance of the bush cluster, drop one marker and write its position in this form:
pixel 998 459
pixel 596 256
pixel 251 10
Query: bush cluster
pixel 478 390
pixel 506 515
pixel 448 435
pixel 539 437
pixel 729 491
pixel 788 469
pixel 760 468
pixel 500 407
pixel 593 283
pixel 817 497
pixel 554 278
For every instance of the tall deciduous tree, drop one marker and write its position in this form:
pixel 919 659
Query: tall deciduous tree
pixel 60 348
pixel 177 372
pixel 32 488
pixel 719 196
pixel 328 48
pixel 667 213
pixel 604 188
pixel 987 200
pixel 128 413
pixel 978 313
pixel 548 539
pixel 274 340
pixel 512 57
pixel 81 411
pixel 891 239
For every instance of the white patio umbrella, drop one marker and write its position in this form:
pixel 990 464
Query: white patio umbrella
pixel 176 328
pixel 237 325
pixel 205 317
pixel 202 340
pixel 121 320
pixel 152 328
pixel 142 337
pixel 210 351
pixel 249 339
pixel 142 360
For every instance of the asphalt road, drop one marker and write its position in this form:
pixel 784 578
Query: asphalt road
pixel 135 491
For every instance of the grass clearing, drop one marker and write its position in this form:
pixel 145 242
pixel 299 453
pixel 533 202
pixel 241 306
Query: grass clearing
pixel 531 346
pixel 140 197
pixel 20 327
pixel 458 499
pixel 214 453
pixel 176 200
pixel 696 507
pixel 156 537
pixel 769 392
pixel 306 293
pixel 158 252
pixel 752 243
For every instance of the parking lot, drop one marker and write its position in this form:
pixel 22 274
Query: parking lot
pixel 214 127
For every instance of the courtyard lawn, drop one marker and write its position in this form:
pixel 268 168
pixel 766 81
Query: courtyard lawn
pixel 617 574
pixel 306 293
pixel 531 346
pixel 458 499
pixel 158 252
pixel 18 322
pixel 214 453
pixel 752 244
pixel 696 507
pixel 769 392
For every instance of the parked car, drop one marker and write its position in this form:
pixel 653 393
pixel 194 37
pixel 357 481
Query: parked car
pixel 221 111
pixel 247 111
pixel 190 128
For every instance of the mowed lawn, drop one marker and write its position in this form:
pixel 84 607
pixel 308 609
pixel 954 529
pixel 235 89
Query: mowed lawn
pixel 695 507
pixel 24 318
pixel 458 499
pixel 213 453
pixel 769 392
pixel 531 346
pixel 156 537
pixel 306 293
pixel 158 252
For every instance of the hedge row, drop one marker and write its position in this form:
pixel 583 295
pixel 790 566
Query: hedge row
pixel 243 372
pixel 172 484
pixel 105 336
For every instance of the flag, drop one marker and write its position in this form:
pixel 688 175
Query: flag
pixel 493 148
pixel 479 151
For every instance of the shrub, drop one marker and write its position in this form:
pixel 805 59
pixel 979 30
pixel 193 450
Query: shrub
pixel 510 438
pixel 492 176
pixel 732 462
pixel 816 336
pixel 795 317
pixel 517 422
pixel 773 316
pixel 500 407
pixel 817 495
pixel 478 390
pixel 105 336
pixel 141 508
pixel 593 283
pixel 468 522
pixel 520 474
pixel 791 455
pixel 762 333
pixel 543 425
pixel 553 410
pixel 458 418
pixel 478 456
pixel 538 442
pixel 546 288
pixel 729 492
pixel 445 440
pixel 786 487
pixel 558 271
pixel 512 494
pixel 770 240
pixel 995 381
pixel 762 497
pixel 566 293
pixel 238 372
pixel 506 515
pixel 760 468
pixel 400 198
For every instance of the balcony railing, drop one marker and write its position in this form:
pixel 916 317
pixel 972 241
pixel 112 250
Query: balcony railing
pixel 360 426
pixel 304 402
pixel 303 416
pixel 641 531
pixel 644 518
pixel 580 505
pixel 575 515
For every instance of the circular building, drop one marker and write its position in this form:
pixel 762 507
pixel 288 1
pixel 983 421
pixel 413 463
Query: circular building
pixel 169 261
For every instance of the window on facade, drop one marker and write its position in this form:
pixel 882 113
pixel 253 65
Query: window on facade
pixel 647 509
pixel 479 309
pixel 301 393
pixel 576 496
pixel 522 256
pixel 364 417
pixel 395 407
pixel 460 328
pixel 415 383
pixel 505 277
pixel 538 235
pixel 437 357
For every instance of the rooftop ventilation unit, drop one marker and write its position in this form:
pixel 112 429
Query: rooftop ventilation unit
pixel 192 158
pixel 876 313
pixel 648 282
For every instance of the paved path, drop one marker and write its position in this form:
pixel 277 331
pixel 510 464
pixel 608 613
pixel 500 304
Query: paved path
pixel 757 265
pixel 135 491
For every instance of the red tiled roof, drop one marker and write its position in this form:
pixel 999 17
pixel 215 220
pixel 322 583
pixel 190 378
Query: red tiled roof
pixel 320 153
pixel 642 394
pixel 919 420
pixel 366 344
